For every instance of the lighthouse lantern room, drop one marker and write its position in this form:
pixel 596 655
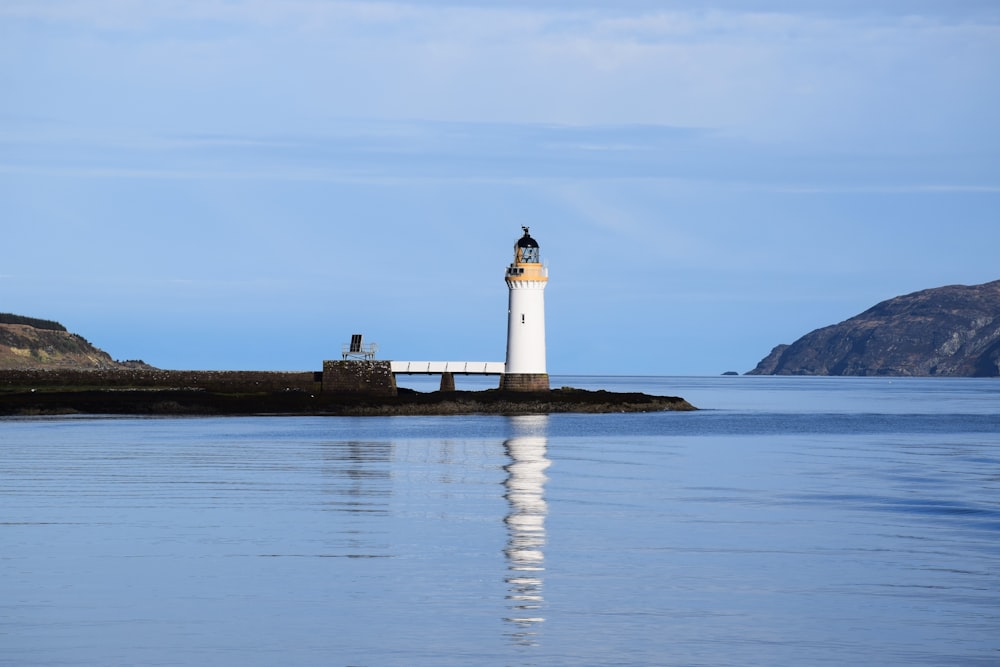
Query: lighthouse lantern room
pixel 526 278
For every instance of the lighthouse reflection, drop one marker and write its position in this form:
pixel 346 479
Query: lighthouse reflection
pixel 526 525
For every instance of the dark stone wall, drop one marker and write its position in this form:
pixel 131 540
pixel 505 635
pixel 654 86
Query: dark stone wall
pixel 524 382
pixel 364 377
pixel 236 381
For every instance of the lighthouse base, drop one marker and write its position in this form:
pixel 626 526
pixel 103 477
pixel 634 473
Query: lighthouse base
pixel 524 382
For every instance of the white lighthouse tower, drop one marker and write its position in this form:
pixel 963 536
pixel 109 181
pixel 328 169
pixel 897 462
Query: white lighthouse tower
pixel 526 279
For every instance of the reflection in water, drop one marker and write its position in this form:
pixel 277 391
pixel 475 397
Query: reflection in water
pixel 526 524
pixel 359 485
pixel 359 475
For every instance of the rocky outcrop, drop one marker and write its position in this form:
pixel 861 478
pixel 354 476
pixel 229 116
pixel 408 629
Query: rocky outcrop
pixel 55 401
pixel 945 331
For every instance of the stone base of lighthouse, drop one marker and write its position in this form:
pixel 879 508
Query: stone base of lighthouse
pixel 524 382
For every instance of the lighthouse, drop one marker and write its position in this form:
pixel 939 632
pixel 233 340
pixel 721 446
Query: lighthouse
pixel 526 278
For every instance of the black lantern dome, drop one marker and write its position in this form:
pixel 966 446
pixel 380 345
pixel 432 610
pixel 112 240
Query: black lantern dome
pixel 526 249
pixel 526 241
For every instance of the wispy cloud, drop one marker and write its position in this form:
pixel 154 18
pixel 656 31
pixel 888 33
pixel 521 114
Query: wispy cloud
pixel 769 71
pixel 413 152
pixel 931 188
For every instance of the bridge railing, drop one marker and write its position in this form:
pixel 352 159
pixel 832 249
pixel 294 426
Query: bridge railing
pixel 438 367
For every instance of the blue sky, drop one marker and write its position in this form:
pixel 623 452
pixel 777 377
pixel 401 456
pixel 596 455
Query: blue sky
pixel 244 183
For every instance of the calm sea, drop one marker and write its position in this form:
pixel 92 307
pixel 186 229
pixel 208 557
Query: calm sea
pixel 792 521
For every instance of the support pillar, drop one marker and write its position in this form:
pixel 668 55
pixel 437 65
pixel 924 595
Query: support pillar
pixel 447 382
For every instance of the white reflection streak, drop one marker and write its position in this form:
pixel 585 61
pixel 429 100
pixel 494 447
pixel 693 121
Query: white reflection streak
pixel 526 524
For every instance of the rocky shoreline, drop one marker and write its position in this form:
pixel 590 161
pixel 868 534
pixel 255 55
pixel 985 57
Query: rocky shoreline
pixel 200 402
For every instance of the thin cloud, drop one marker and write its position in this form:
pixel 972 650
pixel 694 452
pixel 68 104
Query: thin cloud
pixel 884 189
pixel 774 73
pixel 421 152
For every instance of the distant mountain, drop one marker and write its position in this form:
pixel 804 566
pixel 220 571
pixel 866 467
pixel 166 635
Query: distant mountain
pixel 949 331
pixel 27 342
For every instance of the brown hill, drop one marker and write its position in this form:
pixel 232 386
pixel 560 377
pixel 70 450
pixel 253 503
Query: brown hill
pixel 948 331
pixel 29 343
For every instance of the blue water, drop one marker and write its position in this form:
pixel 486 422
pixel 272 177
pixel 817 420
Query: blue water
pixel 791 521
